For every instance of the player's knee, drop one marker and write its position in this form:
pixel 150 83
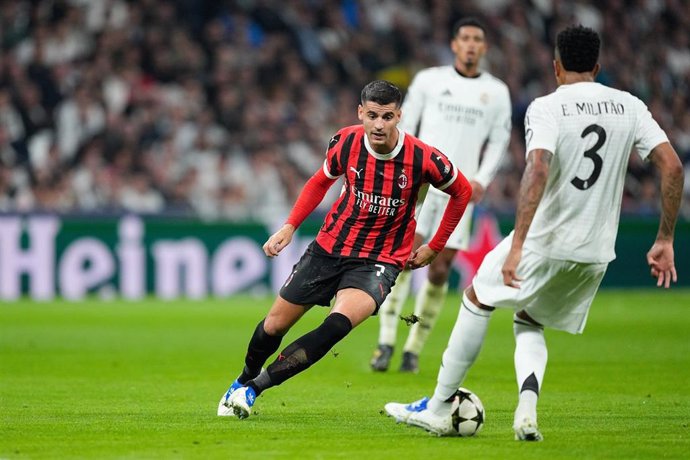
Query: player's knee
pixel 439 269
pixel 522 315
pixel 439 272
pixel 274 326
pixel 472 296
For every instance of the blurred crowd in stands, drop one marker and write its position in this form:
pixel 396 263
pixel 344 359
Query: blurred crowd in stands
pixel 222 109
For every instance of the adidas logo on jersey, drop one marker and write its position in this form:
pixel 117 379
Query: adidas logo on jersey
pixel 446 93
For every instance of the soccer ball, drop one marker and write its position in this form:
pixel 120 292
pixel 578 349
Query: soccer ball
pixel 467 414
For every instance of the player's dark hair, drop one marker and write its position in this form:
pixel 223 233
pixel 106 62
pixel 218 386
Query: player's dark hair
pixel 468 21
pixel 381 92
pixel 578 48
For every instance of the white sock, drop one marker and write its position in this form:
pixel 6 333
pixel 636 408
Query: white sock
pixel 530 364
pixel 390 310
pixel 428 305
pixel 462 350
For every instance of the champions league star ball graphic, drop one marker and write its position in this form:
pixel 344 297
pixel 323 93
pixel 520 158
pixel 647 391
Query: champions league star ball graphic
pixel 467 414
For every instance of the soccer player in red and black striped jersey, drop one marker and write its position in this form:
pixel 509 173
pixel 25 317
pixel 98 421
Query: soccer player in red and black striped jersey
pixel 365 240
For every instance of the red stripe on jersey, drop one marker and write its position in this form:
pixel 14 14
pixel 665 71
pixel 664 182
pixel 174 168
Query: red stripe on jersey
pixel 377 180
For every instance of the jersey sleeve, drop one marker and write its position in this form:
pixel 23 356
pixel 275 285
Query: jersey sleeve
pixel 439 170
pixel 413 105
pixel 541 129
pixel 309 198
pixel 333 166
pixel 499 136
pixel 648 133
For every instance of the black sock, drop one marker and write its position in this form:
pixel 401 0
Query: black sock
pixel 261 347
pixel 303 352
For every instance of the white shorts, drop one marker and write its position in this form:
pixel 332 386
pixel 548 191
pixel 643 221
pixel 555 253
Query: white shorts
pixel 429 218
pixel 555 293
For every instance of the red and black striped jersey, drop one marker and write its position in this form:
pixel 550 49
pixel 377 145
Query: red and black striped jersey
pixel 374 217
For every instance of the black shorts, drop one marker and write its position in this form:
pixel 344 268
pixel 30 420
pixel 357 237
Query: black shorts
pixel 318 276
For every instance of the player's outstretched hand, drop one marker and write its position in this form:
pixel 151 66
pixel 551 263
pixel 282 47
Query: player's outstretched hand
pixel 279 240
pixel 661 263
pixel 509 269
pixel 422 257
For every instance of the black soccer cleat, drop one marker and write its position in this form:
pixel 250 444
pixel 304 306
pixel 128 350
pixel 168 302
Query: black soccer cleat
pixel 382 358
pixel 410 362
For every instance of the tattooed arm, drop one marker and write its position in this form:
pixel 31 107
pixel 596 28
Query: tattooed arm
pixel 531 190
pixel 660 257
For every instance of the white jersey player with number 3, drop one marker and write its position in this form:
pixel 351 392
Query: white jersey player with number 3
pixel 579 140
pixel 590 129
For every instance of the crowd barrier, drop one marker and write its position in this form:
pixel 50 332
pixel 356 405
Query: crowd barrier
pixel 130 257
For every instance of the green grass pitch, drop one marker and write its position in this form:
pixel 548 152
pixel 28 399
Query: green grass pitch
pixel 142 380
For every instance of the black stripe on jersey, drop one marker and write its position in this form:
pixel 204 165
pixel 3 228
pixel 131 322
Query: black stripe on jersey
pixel 344 158
pixel 354 209
pixel 372 217
pixel 417 182
pixel 446 174
pixel 396 192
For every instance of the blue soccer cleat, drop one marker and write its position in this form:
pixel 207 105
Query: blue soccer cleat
pixel 241 402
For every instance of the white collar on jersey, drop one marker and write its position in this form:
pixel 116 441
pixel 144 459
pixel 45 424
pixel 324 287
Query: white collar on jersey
pixel 387 156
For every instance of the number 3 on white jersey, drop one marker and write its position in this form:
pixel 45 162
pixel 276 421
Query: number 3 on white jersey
pixel 584 184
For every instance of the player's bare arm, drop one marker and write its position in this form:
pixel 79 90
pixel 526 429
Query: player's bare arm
pixel 531 191
pixel 279 240
pixel 661 257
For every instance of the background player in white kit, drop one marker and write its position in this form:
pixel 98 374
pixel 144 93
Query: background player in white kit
pixel 457 109
pixel 579 139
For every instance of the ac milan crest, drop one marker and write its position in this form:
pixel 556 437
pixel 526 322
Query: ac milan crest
pixel 402 181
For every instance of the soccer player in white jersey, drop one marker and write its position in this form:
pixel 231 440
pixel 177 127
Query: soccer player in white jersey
pixel 579 139
pixel 458 109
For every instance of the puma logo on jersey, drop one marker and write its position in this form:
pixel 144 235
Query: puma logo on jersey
pixel 352 168
pixel 334 140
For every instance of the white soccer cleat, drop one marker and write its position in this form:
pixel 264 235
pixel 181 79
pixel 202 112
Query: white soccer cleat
pixel 435 424
pixel 241 401
pixel 417 414
pixel 224 409
pixel 526 430
pixel 397 411
pixel 400 412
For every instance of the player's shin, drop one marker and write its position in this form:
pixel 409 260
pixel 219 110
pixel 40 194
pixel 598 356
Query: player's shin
pixel 261 347
pixel 530 364
pixel 464 345
pixel 303 352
